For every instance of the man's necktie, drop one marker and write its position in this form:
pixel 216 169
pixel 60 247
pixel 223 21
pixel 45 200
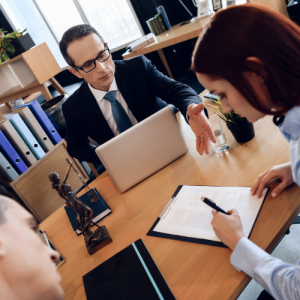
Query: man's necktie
pixel 121 118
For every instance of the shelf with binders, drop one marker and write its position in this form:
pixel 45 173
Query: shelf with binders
pixel 24 142
pixel 26 135
pixel 34 189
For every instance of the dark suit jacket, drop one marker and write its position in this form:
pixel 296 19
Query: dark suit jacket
pixel 141 85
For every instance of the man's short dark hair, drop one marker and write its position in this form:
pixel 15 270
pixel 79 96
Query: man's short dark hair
pixel 4 203
pixel 72 34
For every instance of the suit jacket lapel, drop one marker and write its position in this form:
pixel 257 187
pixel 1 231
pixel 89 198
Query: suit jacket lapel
pixel 94 116
pixel 123 87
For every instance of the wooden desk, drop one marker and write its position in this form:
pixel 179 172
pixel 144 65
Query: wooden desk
pixel 175 35
pixel 192 271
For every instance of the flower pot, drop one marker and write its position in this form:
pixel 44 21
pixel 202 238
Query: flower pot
pixel 242 133
pixel 22 44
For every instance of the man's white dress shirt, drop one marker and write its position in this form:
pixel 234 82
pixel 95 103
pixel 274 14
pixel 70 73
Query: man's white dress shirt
pixel 105 106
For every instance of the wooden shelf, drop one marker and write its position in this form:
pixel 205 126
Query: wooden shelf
pixel 17 89
pixel 35 189
pixel 28 73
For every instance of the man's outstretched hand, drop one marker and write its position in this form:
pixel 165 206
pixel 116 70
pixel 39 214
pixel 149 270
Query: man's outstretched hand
pixel 201 127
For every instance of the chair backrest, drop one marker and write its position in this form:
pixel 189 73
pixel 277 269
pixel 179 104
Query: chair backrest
pixel 279 5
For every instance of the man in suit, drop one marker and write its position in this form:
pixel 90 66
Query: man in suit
pixel 27 265
pixel 119 94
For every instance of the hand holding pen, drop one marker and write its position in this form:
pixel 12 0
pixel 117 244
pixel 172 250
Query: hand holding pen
pixel 213 205
pixel 227 225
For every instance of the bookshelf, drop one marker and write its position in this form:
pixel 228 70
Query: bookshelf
pixel 30 72
pixel 35 189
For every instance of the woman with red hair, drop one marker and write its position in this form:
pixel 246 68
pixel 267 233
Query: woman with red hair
pixel 249 55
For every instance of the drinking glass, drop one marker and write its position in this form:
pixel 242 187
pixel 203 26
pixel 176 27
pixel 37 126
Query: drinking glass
pixel 222 144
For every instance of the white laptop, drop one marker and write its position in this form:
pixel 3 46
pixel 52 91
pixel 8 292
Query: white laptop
pixel 143 149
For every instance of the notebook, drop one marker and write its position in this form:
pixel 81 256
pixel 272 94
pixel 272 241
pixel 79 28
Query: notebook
pixel 100 209
pixel 142 150
pixel 187 218
pixel 130 274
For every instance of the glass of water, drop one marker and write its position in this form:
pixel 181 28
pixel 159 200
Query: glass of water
pixel 222 144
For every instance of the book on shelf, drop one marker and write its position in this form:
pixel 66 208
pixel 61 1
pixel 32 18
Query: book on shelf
pixel 161 22
pixel 162 12
pixel 12 156
pixel 7 172
pixel 44 121
pixel 150 27
pixel 153 25
pixel 17 142
pixel 26 135
pixel 100 209
pixel 35 127
pixel 157 25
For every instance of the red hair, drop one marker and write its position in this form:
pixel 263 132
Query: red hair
pixel 252 30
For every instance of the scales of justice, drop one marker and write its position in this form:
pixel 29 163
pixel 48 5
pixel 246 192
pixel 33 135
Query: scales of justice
pixel 94 239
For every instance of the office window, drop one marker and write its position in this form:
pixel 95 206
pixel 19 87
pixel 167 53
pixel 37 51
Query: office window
pixel 24 14
pixel 113 19
pixel 224 3
pixel 241 1
pixel 60 15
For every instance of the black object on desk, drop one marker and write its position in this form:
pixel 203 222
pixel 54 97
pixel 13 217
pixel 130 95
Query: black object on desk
pixel 100 209
pixel 130 274
pixel 44 238
pixel 213 205
pixel 185 22
pixel 211 96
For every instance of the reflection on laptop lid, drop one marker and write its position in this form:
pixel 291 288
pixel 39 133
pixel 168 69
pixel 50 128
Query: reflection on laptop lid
pixel 143 149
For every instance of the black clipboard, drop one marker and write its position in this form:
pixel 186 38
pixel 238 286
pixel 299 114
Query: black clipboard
pixel 151 232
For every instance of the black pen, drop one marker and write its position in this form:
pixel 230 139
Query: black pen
pixel 213 205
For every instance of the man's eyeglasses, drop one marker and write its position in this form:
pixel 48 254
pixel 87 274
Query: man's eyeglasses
pixel 91 65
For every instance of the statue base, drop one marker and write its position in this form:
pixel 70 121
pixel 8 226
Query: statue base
pixel 99 239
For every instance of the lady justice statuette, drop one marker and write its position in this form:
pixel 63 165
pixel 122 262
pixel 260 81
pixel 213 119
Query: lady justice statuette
pixel 94 239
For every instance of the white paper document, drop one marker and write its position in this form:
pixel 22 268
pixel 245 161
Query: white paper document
pixel 189 216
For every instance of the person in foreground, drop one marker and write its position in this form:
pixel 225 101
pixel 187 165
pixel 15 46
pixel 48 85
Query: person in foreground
pixel 27 265
pixel 118 94
pixel 256 73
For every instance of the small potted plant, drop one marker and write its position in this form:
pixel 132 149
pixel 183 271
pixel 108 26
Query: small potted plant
pixel 13 44
pixel 5 45
pixel 241 129
pixel 22 42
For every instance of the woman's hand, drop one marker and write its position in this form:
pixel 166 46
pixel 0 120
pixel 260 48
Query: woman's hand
pixel 228 229
pixel 283 172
